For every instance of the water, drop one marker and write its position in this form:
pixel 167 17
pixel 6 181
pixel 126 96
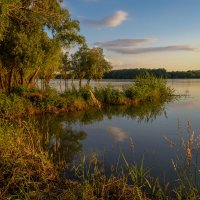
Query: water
pixel 142 132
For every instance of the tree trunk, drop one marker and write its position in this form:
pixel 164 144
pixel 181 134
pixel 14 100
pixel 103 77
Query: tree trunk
pixel 61 83
pixel 66 84
pixel 22 80
pixel 88 82
pixel 16 79
pixel 31 80
pixel 10 80
pixel 1 83
pixel 46 82
pixel 80 83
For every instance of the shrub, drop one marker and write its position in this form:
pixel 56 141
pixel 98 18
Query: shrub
pixel 108 95
pixel 49 97
pixel 22 90
pixel 19 90
pixel 85 93
pixel 13 104
pixel 147 87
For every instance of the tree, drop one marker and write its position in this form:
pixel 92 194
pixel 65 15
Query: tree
pixel 79 63
pixel 96 64
pixel 52 59
pixel 27 51
pixel 89 63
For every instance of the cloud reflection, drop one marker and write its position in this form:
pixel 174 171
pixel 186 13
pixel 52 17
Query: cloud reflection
pixel 118 134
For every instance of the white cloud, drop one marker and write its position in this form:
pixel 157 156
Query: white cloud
pixel 133 46
pixel 124 50
pixel 124 42
pixel 111 21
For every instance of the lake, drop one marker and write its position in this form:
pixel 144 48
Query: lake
pixel 150 132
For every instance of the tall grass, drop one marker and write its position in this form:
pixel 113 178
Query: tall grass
pixel 25 169
pixel 186 164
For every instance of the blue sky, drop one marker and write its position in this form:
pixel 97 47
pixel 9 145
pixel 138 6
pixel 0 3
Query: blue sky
pixel 142 33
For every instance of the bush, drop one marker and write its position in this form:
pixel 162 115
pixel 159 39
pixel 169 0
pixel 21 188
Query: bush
pixel 13 104
pixel 148 88
pixel 109 95
pixel 85 93
pixel 22 90
pixel 19 90
pixel 52 98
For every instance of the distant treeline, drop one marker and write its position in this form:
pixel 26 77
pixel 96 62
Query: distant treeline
pixel 132 73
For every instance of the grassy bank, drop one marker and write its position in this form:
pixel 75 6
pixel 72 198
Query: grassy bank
pixel 23 100
pixel 27 172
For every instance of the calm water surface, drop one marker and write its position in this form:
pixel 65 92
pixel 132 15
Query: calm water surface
pixel 142 132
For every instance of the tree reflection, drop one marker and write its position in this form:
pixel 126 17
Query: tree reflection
pixel 142 113
pixel 63 140
pixel 66 146
pixel 59 138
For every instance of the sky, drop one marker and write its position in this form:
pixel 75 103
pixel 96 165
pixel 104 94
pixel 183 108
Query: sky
pixel 142 33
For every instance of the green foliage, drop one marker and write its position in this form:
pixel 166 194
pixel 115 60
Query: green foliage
pixel 160 72
pixel 129 91
pixel 19 90
pixel 148 88
pixel 83 92
pixel 96 64
pixel 12 105
pixel 145 88
pixel 51 98
pixel 133 73
pixel 89 63
pixel 47 99
pixel 26 50
pixel 109 95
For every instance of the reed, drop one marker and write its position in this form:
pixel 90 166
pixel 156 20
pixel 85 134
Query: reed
pixel 186 164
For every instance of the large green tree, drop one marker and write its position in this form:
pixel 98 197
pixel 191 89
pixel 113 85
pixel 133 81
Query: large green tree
pixel 26 50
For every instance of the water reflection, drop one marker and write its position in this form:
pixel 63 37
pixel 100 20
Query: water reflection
pixel 152 127
pixel 142 113
pixel 59 138
pixel 118 134
pixel 64 141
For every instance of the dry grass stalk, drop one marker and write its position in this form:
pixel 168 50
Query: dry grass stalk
pixel 189 147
